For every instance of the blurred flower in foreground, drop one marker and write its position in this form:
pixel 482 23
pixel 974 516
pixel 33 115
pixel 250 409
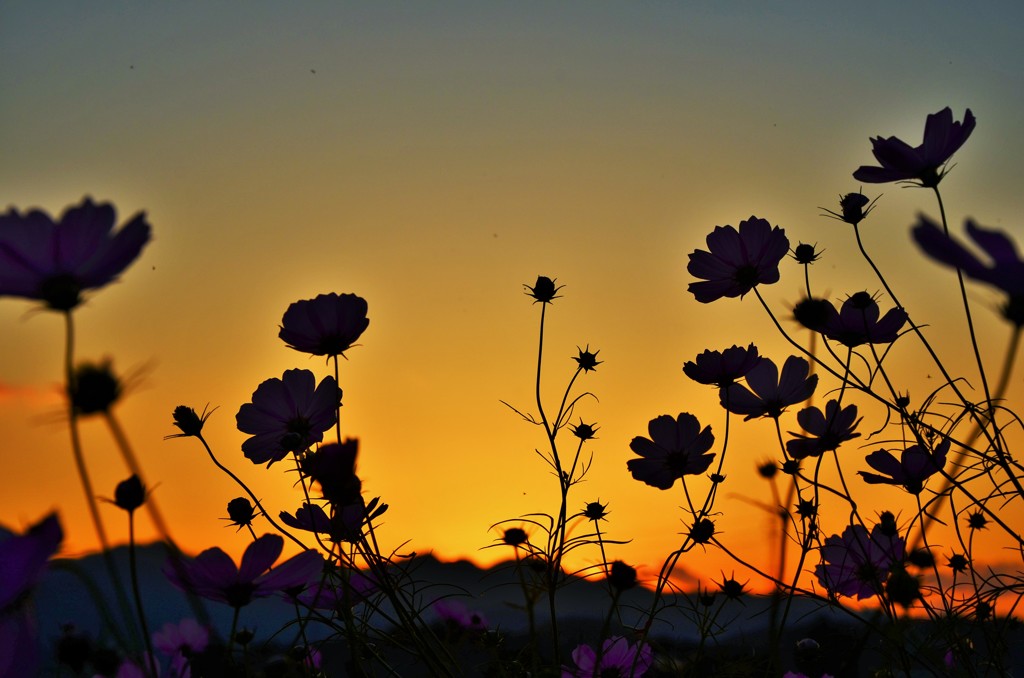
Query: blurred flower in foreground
pixel 915 465
pixel 1004 272
pixel 327 325
pixel 618 658
pixel 721 368
pixel 456 613
pixel 925 163
pixel 212 574
pixel 287 415
pixel 95 388
pixel 181 641
pixel 677 447
pixel 736 261
pixel 55 262
pixel 22 561
pixel 769 393
pixel 856 563
pixel 827 429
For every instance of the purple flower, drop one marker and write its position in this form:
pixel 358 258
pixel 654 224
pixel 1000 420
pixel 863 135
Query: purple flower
pixel 768 393
pixel 856 563
pixel 827 430
pixel 181 641
pixel 857 322
pixel 456 613
pixel 677 447
pixel 737 261
pixel 327 325
pixel 213 574
pixel 1004 270
pixel 309 517
pixel 925 163
pixel 55 262
pixel 287 415
pixel 618 658
pixel 915 465
pixel 722 368
pixel 338 591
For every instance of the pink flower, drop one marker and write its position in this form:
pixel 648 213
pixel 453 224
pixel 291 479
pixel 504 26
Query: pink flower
pixel 180 641
pixel 618 658
pixel 858 563
pixel 55 262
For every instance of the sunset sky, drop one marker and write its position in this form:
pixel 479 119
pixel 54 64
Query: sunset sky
pixel 433 159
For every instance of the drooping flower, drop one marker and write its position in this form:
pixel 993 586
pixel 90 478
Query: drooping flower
pixel 857 322
pixel 287 415
pixel 769 393
pixel 328 324
pixel 55 262
pixel 858 563
pixel 1004 269
pixel 827 429
pixel 188 422
pixel 677 447
pixel 916 464
pixel 618 658
pixel 924 164
pixel 721 368
pixel 213 575
pixel 736 261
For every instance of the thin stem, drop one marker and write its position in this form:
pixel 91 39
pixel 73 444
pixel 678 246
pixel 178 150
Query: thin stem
pixel 133 566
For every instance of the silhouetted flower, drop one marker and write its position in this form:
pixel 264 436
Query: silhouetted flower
pixel 544 290
pixel 618 658
pixel 732 588
pixel 287 415
pixel 806 254
pixel 333 466
pixel 1004 270
pixel 621 576
pixel 721 368
pixel 857 563
pixel 240 512
pixel 130 494
pixel 94 388
pixel 213 575
pixel 328 324
pixel 188 422
pixel 515 536
pixel 587 361
pixel 813 313
pixel 583 431
pixel 853 208
pixel 915 465
pixel 737 261
pixel 595 511
pixel 55 262
pixel 677 447
pixel 857 322
pixel 827 429
pixel 958 562
pixel 769 393
pixel 977 520
pixel 310 517
pixel 702 531
pixel 924 164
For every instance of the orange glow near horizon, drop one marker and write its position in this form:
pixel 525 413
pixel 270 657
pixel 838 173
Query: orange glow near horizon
pixel 434 163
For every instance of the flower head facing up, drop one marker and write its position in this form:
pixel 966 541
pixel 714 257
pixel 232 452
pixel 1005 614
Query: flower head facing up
pixel 617 658
pixel 130 494
pixel 769 393
pixel 328 324
pixel 287 415
pixel 677 447
pixel 916 464
pixel 241 512
pixel 586 360
pixel 853 208
pixel 857 322
pixel 924 164
pixel 721 368
pixel 215 576
pixel 1004 269
pixel 736 261
pixel 858 563
pixel 544 290
pixel 806 254
pixel 827 430
pixel 55 261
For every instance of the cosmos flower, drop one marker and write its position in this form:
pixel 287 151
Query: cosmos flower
pixel 853 208
pixel 858 563
pixel 1004 270
pixel 736 261
pixel 55 262
pixel 857 322
pixel 721 368
pixel 915 465
pixel 181 641
pixel 677 447
pixel 213 575
pixel 308 517
pixel 925 163
pixel 618 658
pixel 827 430
pixel 768 393
pixel 326 325
pixel 338 591
pixel 333 466
pixel 287 415
pixel 457 614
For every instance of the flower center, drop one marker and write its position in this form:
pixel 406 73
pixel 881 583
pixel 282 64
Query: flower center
pixel 746 276
pixel 61 292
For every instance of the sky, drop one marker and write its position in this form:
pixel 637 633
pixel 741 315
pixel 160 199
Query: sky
pixel 434 159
